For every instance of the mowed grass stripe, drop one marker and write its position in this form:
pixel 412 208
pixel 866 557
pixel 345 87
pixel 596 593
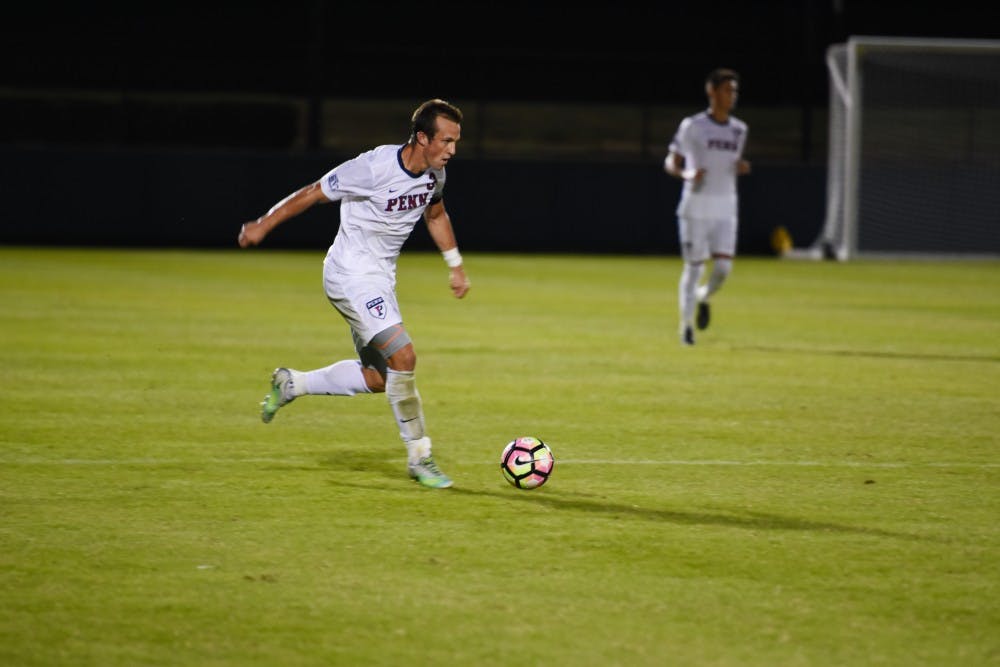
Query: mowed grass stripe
pixel 561 462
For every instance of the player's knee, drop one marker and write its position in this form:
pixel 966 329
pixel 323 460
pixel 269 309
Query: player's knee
pixel 404 359
pixel 691 274
pixel 394 345
pixel 722 267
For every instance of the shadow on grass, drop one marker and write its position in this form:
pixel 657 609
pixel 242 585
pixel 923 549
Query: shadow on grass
pixel 734 519
pixel 374 462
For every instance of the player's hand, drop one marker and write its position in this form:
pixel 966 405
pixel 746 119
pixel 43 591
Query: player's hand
pixel 458 282
pixel 696 176
pixel 251 233
pixel 743 167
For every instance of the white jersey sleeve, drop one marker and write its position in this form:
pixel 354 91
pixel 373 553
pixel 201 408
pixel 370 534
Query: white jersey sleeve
pixel 353 177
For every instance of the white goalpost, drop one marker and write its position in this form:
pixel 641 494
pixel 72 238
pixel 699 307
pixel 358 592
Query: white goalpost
pixel 914 149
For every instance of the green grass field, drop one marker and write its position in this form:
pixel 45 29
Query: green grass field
pixel 816 482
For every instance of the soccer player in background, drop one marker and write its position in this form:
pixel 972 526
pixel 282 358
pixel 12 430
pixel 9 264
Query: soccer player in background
pixel 382 193
pixel 707 154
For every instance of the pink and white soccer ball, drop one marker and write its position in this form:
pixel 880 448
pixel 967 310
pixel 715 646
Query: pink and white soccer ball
pixel 527 462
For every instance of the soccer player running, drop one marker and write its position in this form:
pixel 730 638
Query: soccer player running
pixel 382 193
pixel 707 154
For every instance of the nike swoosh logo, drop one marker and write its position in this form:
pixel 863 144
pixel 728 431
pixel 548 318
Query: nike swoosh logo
pixel 403 421
pixel 391 190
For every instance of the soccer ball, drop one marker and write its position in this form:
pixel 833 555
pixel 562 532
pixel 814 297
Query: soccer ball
pixel 527 462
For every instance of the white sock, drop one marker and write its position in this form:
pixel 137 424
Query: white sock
pixel 343 378
pixel 401 390
pixel 690 276
pixel 721 268
pixel 418 449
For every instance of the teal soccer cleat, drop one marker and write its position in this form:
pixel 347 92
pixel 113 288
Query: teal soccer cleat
pixel 427 473
pixel 281 394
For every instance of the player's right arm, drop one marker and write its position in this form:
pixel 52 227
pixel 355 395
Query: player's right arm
pixel 675 165
pixel 253 232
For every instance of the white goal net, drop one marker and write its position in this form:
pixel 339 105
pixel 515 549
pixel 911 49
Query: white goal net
pixel 914 153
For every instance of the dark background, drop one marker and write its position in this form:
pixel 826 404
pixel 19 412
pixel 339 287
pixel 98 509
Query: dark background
pixel 532 51
pixel 69 183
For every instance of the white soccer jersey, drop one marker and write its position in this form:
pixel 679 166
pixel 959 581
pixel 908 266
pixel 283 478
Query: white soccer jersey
pixel 715 147
pixel 380 202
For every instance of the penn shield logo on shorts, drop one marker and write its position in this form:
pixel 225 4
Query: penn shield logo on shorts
pixel 376 307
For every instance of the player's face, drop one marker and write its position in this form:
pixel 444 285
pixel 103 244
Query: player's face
pixel 441 147
pixel 726 94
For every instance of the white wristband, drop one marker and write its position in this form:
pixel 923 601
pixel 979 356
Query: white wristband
pixel 452 257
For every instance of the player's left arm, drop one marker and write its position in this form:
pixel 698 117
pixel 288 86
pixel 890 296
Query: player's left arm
pixel 443 234
pixel 253 232
pixel 743 165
